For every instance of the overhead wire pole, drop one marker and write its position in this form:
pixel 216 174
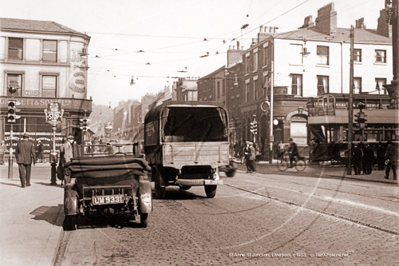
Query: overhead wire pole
pixel 271 110
pixel 350 111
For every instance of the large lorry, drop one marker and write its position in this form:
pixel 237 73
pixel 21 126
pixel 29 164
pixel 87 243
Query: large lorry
pixel 185 143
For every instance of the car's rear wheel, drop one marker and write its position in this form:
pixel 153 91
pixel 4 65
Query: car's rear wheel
pixel 144 219
pixel 70 223
pixel 210 190
pixel 231 173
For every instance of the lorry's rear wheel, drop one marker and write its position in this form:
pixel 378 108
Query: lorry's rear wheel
pixel 159 190
pixel 70 223
pixel 185 187
pixel 210 191
pixel 143 219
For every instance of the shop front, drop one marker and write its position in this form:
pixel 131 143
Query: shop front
pixel 33 121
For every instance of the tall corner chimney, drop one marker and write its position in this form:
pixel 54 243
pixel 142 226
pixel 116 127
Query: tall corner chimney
pixel 261 28
pixel 326 21
pixel 383 27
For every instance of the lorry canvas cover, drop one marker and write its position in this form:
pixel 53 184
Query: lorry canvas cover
pixel 186 122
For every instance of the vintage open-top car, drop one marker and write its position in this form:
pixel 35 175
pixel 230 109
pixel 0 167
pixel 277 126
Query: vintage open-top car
pixel 107 185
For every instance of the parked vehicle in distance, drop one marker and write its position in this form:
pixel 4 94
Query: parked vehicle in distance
pixel 185 143
pixel 108 186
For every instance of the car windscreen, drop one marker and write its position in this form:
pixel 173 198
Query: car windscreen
pixel 194 124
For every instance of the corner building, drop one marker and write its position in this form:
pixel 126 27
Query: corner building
pixel 46 62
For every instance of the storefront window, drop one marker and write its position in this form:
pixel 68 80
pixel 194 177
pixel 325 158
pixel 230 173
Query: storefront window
pixel 15 81
pixel 15 48
pixel 49 87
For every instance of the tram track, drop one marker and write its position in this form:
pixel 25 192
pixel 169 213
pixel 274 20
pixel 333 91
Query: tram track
pixel 270 176
pixel 322 212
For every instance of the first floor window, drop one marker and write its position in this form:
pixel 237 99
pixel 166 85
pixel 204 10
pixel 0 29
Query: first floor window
pixel 357 85
pixel 265 85
pixel 49 87
pixel 50 51
pixel 379 85
pixel 380 56
pixel 246 92
pixel 296 85
pixel 357 55
pixel 322 85
pixel 254 92
pixel 15 81
pixel 323 55
pixel 15 48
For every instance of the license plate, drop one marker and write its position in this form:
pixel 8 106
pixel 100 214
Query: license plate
pixel 211 182
pixel 112 199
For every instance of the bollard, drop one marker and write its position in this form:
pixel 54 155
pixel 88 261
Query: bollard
pixel 10 165
pixel 53 160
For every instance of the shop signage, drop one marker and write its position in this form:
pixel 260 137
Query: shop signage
pixel 77 80
pixel 40 103
pixel 31 93
pixel 279 118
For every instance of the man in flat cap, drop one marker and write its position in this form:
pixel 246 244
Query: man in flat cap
pixel 25 155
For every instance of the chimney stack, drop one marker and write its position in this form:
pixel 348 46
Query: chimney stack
pixel 326 21
pixel 360 24
pixel 307 22
pixel 383 27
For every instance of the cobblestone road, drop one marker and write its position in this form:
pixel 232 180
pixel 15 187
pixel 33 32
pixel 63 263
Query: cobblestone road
pixel 253 220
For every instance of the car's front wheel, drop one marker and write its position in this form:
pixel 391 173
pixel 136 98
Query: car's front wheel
pixel 70 223
pixel 144 220
pixel 210 190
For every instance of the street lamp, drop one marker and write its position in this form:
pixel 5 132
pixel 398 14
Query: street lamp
pixel 53 117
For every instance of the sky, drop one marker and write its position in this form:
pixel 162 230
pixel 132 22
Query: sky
pixel 156 41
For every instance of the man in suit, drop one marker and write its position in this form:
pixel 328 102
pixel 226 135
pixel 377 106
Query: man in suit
pixel 25 155
pixel 292 151
pixel 391 155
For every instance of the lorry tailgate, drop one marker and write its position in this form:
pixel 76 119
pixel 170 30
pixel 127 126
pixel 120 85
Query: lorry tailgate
pixel 179 154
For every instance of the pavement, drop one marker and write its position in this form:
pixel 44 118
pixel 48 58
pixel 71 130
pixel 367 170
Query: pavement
pixel 31 218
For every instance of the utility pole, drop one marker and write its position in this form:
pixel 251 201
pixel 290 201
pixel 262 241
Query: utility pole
pixel 271 111
pixel 350 111
pixel 392 8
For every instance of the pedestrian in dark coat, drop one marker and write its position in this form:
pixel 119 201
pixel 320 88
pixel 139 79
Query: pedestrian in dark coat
pixel 40 152
pixel 292 151
pixel 391 156
pixel 252 158
pixel 381 156
pixel 368 159
pixel 356 157
pixel 25 155
pixel 362 166
pixel 247 154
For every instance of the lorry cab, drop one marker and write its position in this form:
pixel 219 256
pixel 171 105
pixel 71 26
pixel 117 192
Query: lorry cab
pixel 185 143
